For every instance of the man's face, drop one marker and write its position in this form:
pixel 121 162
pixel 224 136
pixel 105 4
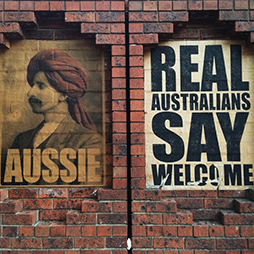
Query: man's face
pixel 42 96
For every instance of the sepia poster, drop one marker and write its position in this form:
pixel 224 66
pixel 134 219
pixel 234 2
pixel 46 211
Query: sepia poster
pixel 52 111
pixel 199 115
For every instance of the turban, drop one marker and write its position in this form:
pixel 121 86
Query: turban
pixel 67 76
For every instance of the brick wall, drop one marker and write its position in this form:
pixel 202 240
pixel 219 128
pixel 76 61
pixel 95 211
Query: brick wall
pixel 94 220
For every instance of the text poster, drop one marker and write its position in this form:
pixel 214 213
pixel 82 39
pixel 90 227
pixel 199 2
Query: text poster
pixel 52 111
pixel 199 115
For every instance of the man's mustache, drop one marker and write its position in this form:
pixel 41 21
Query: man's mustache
pixel 34 100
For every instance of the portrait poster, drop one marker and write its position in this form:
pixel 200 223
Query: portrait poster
pixel 52 114
pixel 199 115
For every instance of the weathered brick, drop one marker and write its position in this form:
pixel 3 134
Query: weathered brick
pixel 57 6
pixel 143 16
pixel 210 5
pixel 230 218
pixel 117 6
pixel 144 219
pixel 36 204
pixel 142 242
pixel 23 193
pixel 22 218
pixel 164 206
pixel 27 243
pixel 150 6
pixel 158 28
pixel 174 16
pixel 79 16
pixel 10 231
pixel 110 17
pixel 53 193
pixel 112 218
pixel 89 242
pixel 116 242
pixel 179 5
pixel 178 218
pixel 76 218
pixel 175 243
pixel 231 231
pixel 11 206
pixel 231 243
pixel 58 243
pixel 243 206
pixel 72 6
pixel 88 230
pixel 95 28
pixel 110 39
pixel 42 229
pixel 165 5
pixel 53 215
pixel 87 5
pixel 200 229
pixel 93 206
pixel 27 231
pixel 234 15
pixel 200 243
pixel 67 204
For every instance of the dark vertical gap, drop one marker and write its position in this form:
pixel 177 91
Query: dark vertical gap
pixel 128 129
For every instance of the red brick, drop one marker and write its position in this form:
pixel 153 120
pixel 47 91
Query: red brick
pixel 57 243
pixel 135 5
pixel 91 242
pixel 216 230
pixel 232 193
pixel 179 5
pixel 164 206
pixel 119 207
pixel 104 231
pixel 137 172
pixel 73 230
pixel 210 5
pixel 225 5
pixel 119 117
pixel 112 218
pixel 165 5
pixel 10 232
pixel 144 38
pixel 88 231
pixel 199 243
pixel 158 28
pixel 154 231
pixel 139 230
pixel 110 39
pixel 37 204
pixel 150 6
pixel 22 193
pixel 22 218
pixel 247 231
pixel 136 83
pixel 95 28
pixel 136 28
pixel 143 16
pixel 189 203
pixel 170 252
pixel 136 61
pixel 57 229
pixel 136 50
pixel 169 231
pixel 110 17
pixel 185 230
pixel 136 72
pixel 200 229
pixel 229 218
pixel 3 194
pixel 115 242
pixel 87 5
pixel 53 215
pixel 119 231
pixel 195 5
pixel 139 162
pixel 41 6
pixel 231 231
pixel 11 5
pixel 72 6
pixel 203 193
pixel 57 6
pixel 67 204
pixel 174 243
pixel 118 50
pixel 42 229
pixel 231 243
pixel 234 15
pixel 26 5
pixel 117 5
pixel 119 184
pixel 143 219
pixel 218 203
pixel 27 243
pixel 11 206
pixel 79 17
pixel 102 6
pixel 76 218
pixel 140 242
pixel 117 28
pixel 241 5
pixel 178 218
pixel 243 206
pixel 53 193
pixel 104 194
pixel 174 16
